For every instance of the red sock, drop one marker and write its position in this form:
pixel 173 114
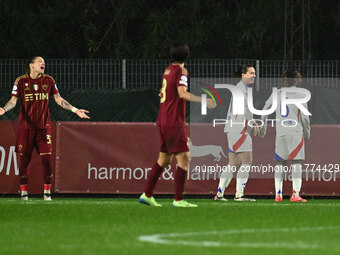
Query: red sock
pixel 47 188
pixel 23 190
pixel 23 187
pixel 180 178
pixel 154 174
pixel 46 161
pixel 23 169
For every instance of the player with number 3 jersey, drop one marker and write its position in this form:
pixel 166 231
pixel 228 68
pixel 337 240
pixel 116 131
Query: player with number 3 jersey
pixel 34 89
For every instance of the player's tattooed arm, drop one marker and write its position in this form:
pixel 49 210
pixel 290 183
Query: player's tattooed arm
pixel 9 105
pixel 66 105
pixel 62 102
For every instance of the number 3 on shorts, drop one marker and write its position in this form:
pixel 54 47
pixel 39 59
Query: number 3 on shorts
pixel 48 137
pixel 163 91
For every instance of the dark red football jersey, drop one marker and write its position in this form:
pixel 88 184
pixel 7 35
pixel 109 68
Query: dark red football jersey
pixel 34 95
pixel 172 108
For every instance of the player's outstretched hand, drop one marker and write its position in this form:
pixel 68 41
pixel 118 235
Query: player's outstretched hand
pixel 82 113
pixel 256 130
pixel 263 131
pixel 210 103
pixel 2 111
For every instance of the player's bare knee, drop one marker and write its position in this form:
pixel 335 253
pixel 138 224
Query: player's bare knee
pixel 233 159
pixel 183 166
pixel 164 159
pixel 246 158
pixel 233 163
pixel 183 159
pixel 247 162
pixel 163 163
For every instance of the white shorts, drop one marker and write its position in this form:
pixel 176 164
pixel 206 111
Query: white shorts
pixel 239 142
pixel 289 147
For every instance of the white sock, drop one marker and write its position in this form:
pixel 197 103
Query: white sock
pixel 296 178
pixel 242 178
pixel 225 179
pixel 278 180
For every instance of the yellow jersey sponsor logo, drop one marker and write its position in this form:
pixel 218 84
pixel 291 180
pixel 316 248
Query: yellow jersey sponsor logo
pixel 36 97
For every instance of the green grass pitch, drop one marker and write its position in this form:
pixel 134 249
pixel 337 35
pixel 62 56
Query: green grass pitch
pixel 123 226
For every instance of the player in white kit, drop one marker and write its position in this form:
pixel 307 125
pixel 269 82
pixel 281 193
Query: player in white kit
pixel 239 140
pixel 291 131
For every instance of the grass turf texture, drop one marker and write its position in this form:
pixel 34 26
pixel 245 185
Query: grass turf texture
pixel 114 226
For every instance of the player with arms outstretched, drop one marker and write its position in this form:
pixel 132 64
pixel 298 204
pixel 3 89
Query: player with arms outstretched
pixel 289 142
pixel 34 128
pixel 171 123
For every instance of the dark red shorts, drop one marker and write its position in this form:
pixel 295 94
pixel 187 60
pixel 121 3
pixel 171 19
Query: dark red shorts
pixel 173 139
pixel 28 139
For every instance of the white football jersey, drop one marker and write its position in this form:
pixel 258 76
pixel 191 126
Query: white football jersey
pixel 236 123
pixel 293 122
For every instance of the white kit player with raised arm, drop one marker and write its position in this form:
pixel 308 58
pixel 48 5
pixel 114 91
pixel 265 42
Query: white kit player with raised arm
pixel 292 129
pixel 239 140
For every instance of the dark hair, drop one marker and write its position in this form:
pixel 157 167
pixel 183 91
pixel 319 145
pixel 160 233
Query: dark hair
pixel 27 66
pixel 242 70
pixel 179 52
pixel 288 77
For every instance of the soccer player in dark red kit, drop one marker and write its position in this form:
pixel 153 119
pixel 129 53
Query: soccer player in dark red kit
pixel 171 124
pixel 34 128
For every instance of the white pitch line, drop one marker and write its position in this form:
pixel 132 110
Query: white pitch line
pixel 274 204
pixel 162 238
